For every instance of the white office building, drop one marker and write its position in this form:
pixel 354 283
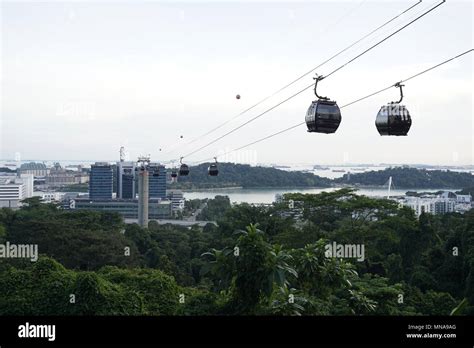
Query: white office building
pixel 177 199
pixel 27 180
pixel 447 202
pixel 13 189
pixel 419 205
pixel 11 193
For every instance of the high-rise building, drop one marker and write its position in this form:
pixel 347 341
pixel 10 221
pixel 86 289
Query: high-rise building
pixel 125 180
pixel 157 180
pixel 14 189
pixel 101 181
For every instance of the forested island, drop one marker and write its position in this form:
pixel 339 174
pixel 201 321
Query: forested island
pixel 406 177
pixel 251 263
pixel 246 176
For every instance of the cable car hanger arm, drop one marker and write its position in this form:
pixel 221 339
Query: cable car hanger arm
pixel 318 78
pixel 399 85
pixel 301 76
pixel 348 104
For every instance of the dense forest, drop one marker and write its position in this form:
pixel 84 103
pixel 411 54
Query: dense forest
pixel 239 175
pixel 258 261
pixel 243 175
pixel 405 177
pixel 466 191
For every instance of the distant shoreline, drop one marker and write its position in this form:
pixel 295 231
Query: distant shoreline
pixel 255 188
pixel 356 187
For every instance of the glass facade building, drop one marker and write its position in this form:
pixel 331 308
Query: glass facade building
pixel 157 181
pixel 126 180
pixel 101 181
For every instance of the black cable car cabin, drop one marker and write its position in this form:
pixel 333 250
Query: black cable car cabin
pixel 183 170
pixel 323 115
pixel 174 174
pixel 212 170
pixel 393 118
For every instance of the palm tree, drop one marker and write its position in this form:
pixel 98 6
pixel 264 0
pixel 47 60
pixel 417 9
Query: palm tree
pixel 279 268
pixel 220 267
pixel 250 231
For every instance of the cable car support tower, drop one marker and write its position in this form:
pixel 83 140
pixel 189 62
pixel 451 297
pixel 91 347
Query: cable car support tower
pixel 143 189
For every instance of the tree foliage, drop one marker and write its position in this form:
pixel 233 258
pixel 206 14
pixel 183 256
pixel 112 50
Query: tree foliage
pixel 258 260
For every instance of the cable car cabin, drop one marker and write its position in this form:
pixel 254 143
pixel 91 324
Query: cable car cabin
pixel 183 170
pixel 174 174
pixel 212 170
pixel 393 119
pixel 323 116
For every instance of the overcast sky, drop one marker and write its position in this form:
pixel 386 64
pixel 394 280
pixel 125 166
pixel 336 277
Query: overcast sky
pixel 82 78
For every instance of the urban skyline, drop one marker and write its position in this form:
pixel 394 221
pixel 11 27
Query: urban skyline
pixel 176 164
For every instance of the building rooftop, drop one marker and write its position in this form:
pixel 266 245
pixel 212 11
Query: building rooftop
pixel 33 166
pixel 101 164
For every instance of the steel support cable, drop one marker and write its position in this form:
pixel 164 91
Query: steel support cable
pixel 345 105
pixel 297 79
pixel 312 84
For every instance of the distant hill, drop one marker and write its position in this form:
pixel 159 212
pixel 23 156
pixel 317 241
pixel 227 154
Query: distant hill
pixel 466 191
pixel 6 170
pixel 404 177
pixel 242 175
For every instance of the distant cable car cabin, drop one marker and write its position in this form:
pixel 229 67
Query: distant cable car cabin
pixel 212 170
pixel 393 118
pixel 323 116
pixel 183 169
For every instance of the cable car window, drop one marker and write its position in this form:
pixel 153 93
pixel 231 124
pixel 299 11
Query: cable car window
pixel 327 111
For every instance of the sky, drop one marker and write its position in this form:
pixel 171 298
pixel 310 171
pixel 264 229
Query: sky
pixel 80 79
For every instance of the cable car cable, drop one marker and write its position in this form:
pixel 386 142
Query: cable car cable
pixel 381 41
pixel 348 104
pixel 409 78
pixel 300 77
pixel 312 84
